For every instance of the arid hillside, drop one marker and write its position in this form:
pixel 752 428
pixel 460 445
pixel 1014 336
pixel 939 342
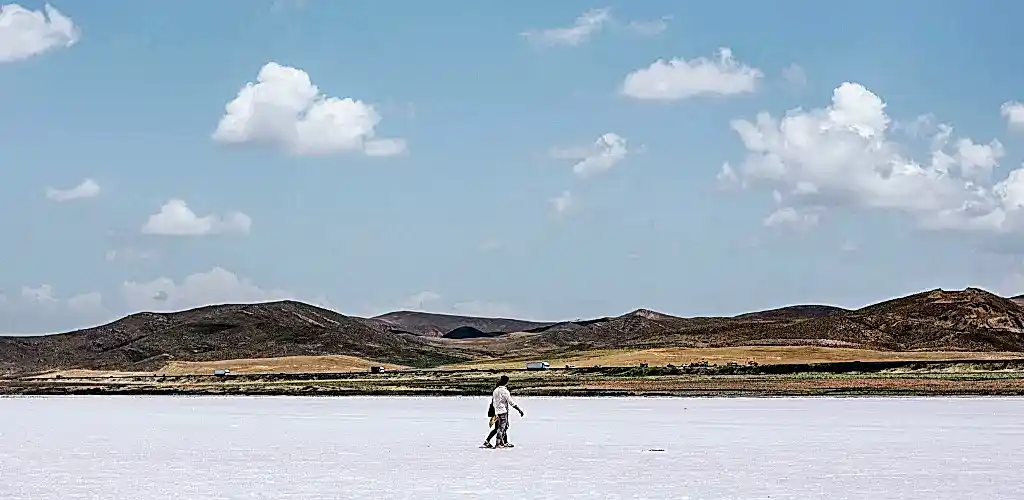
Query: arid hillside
pixel 968 320
pixel 147 341
pixel 439 325
pixel 952 321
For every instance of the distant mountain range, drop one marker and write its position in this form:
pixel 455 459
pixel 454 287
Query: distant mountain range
pixel 936 320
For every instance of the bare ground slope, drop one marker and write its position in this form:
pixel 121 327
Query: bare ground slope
pixel 147 341
pixel 438 325
pixel 970 320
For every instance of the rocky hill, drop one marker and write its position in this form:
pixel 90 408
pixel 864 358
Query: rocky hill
pixel 233 331
pixel 1018 299
pixel 936 320
pixel 438 325
pixel 793 313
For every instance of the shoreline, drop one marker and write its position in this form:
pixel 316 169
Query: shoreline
pixel 988 378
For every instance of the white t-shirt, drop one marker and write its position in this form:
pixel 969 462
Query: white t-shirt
pixel 502 400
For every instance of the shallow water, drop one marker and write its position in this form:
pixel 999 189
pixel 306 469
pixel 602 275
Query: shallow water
pixel 168 448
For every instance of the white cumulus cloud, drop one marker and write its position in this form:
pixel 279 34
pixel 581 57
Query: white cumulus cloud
pixel 847 155
pixel 39 309
pixel 678 79
pixel 216 286
pixel 599 157
pixel 285 109
pixel 26 33
pixel 175 218
pixel 1013 111
pixel 86 189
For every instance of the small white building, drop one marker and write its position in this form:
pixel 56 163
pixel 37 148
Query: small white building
pixel 538 365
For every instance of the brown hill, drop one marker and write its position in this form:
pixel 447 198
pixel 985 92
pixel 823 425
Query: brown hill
pixel 232 331
pixel 968 320
pixel 936 320
pixel 793 312
pixel 438 325
pixel 1018 299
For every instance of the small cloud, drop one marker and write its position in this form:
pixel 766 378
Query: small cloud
pixel 1013 111
pixel 791 217
pixel 649 28
pixel 42 294
pixel 175 218
pixel 590 23
pixel 562 202
pixel 584 27
pixel 678 79
pixel 127 254
pixel 26 33
pixel 599 157
pixel 86 189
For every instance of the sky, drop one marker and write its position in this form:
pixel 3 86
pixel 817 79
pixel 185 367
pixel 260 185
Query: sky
pixel 542 160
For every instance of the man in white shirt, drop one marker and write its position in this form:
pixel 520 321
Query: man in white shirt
pixel 502 400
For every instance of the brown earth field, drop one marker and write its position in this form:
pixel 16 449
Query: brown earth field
pixel 722 355
pixel 889 378
pixel 599 358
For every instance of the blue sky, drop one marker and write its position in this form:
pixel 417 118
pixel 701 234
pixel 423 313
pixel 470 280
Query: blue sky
pixel 884 167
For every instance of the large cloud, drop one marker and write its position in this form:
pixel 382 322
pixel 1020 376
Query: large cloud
pixel 25 33
pixel 847 155
pixel 40 309
pixel 284 109
pixel 215 286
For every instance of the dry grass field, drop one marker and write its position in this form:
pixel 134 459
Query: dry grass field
pixel 760 355
pixel 285 364
pixel 609 358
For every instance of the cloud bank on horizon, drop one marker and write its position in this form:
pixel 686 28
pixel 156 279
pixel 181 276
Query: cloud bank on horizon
pixel 563 163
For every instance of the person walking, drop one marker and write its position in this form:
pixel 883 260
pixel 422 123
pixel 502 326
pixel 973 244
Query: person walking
pixel 494 430
pixel 502 400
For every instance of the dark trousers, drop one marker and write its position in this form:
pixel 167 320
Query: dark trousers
pixel 501 427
